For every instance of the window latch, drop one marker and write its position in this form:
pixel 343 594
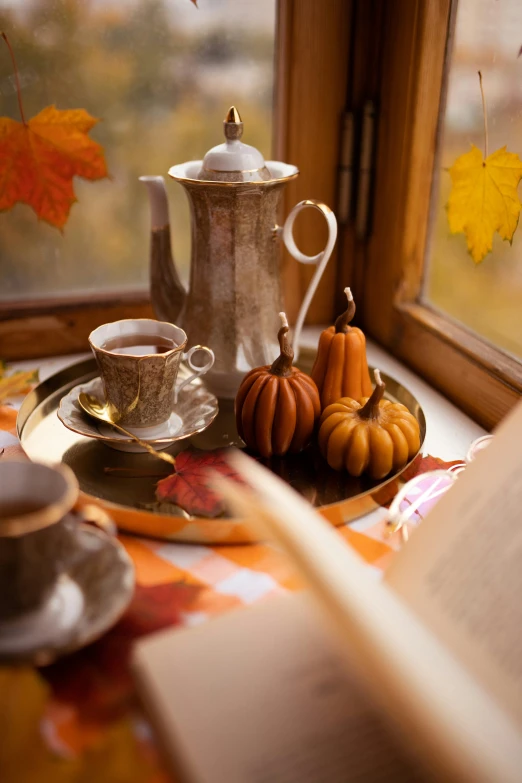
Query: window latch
pixel 357 169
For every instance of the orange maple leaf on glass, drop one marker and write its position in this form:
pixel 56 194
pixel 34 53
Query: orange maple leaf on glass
pixel 40 157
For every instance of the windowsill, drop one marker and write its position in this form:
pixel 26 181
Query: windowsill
pixel 449 431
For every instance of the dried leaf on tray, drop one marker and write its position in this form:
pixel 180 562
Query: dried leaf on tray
pixel 189 486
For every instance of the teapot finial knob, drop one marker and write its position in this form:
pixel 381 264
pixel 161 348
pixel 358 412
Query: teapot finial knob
pixel 233 124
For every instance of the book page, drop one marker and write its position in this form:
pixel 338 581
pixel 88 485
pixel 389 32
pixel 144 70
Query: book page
pixel 461 571
pixel 437 704
pixel 261 695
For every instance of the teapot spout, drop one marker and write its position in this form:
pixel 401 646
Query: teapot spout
pixel 166 290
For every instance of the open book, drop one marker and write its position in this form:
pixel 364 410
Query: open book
pixel 418 677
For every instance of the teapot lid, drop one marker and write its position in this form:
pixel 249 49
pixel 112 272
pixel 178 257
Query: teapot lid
pixel 233 161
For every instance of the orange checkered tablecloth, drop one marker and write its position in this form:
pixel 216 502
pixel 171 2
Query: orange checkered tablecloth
pixel 79 720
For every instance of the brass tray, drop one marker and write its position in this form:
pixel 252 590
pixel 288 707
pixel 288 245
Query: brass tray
pixel 124 483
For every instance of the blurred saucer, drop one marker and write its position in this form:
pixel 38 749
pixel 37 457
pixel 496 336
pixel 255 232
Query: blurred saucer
pixel 195 410
pixel 87 600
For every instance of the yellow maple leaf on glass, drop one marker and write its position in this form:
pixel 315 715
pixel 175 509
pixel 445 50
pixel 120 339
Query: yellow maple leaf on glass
pixel 484 198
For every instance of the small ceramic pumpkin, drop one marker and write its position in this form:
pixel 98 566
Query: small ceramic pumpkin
pixel 277 406
pixel 373 435
pixel 340 368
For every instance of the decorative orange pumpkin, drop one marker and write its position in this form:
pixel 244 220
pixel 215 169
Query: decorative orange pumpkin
pixel 340 368
pixel 373 435
pixel 277 406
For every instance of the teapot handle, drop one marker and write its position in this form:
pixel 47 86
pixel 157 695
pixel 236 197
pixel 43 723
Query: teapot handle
pixel 321 259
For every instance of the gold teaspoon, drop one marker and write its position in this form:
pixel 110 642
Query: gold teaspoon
pixel 99 410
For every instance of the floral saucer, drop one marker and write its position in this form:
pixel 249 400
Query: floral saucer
pixel 87 600
pixel 194 411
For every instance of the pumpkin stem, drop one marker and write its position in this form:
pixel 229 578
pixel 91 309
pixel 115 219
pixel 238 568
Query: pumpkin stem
pixel 371 409
pixel 283 364
pixel 341 324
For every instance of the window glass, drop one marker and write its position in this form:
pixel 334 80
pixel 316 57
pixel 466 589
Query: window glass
pixel 161 74
pixel 485 297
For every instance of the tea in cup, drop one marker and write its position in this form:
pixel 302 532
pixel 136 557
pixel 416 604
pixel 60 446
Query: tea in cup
pixel 139 360
pixel 37 533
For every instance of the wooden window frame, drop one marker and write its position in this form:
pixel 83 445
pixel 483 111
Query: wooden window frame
pixel 312 45
pixel 481 379
pixel 33 329
pixel 391 53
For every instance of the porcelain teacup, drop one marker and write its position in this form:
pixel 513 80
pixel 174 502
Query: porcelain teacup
pixel 139 360
pixel 37 532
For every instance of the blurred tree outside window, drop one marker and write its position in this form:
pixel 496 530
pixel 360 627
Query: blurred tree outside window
pixel 161 75
pixel 488 297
